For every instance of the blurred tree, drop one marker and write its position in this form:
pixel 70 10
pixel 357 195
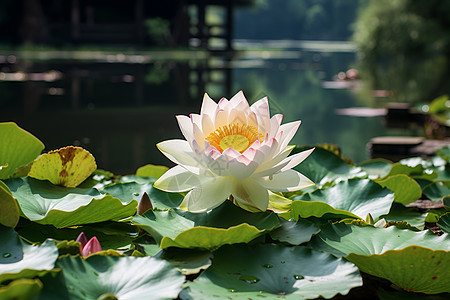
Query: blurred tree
pixel 404 47
pixel 297 19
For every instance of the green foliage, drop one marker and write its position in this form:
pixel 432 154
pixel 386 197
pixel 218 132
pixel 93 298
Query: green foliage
pixel 353 220
pixel 404 47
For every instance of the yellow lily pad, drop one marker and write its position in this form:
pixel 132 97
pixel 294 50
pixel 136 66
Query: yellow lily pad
pixel 68 166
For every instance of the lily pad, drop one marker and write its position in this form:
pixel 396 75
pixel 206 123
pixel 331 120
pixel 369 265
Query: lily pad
pixel 46 203
pixel 17 148
pixel 437 190
pixel 444 222
pixel 226 224
pixel 106 277
pixel 406 190
pixel 128 191
pixel 412 216
pixel 415 261
pixel 317 209
pixel 21 260
pixel 376 168
pixel 342 239
pixel 323 166
pixel 67 166
pixel 187 261
pixel 10 212
pixel 295 233
pixel 151 171
pixel 21 289
pixel 357 196
pixel 268 270
pixel 111 235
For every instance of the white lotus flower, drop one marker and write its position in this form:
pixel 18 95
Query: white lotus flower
pixel 232 151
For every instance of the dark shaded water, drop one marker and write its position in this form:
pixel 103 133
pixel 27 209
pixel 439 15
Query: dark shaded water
pixel 119 106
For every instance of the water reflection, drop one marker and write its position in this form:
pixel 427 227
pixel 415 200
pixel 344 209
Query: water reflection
pixel 119 108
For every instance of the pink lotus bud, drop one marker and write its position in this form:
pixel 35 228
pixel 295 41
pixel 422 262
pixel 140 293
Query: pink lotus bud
pixel 82 239
pixel 92 246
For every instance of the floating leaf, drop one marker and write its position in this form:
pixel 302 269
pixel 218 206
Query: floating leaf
pixel 376 168
pixel 226 224
pixel 128 191
pixel 294 233
pixel 21 260
pixel 21 289
pixel 323 166
pixel 106 277
pixel 187 261
pixel 357 196
pixel 46 203
pixel 67 166
pixel 151 171
pixel 416 261
pixel 268 270
pixel 406 190
pixel 17 148
pixel 437 190
pixel 318 209
pixel 10 212
pixel 444 222
pixel 413 268
pixel 399 213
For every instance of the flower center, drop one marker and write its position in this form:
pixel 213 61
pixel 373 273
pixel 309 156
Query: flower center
pixel 236 136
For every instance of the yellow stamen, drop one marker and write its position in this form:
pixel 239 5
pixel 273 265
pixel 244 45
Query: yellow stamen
pixel 236 136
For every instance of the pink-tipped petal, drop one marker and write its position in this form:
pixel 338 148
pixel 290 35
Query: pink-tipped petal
pixel 207 125
pixel 295 159
pixel 238 99
pixel 275 123
pixel 261 110
pixel 92 246
pixel 289 130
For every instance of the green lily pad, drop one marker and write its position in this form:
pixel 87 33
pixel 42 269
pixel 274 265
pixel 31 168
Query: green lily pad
pixel 151 171
pixel 444 222
pixel 106 277
pixel 412 216
pixel 357 196
pixel 187 261
pixel 444 153
pixel 401 256
pixel 413 268
pixel 46 203
pixel 111 235
pixel 10 212
pixel 21 289
pixel 21 260
pixel 323 166
pixel 226 224
pixel 317 209
pixel 416 167
pixel 17 148
pixel 342 239
pixel 294 233
pixel 128 191
pixel 68 166
pixel 406 190
pixel 268 270
pixel 437 190
pixel 376 168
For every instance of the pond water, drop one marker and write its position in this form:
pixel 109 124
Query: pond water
pixel 118 106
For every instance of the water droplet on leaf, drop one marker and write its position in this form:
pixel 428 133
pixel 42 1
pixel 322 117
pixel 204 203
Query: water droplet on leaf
pixel 249 278
pixel 6 254
pixel 298 277
pixel 268 266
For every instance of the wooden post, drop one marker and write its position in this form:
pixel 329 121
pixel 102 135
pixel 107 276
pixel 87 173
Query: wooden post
pixel 139 11
pixel 201 25
pixel 75 20
pixel 229 25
